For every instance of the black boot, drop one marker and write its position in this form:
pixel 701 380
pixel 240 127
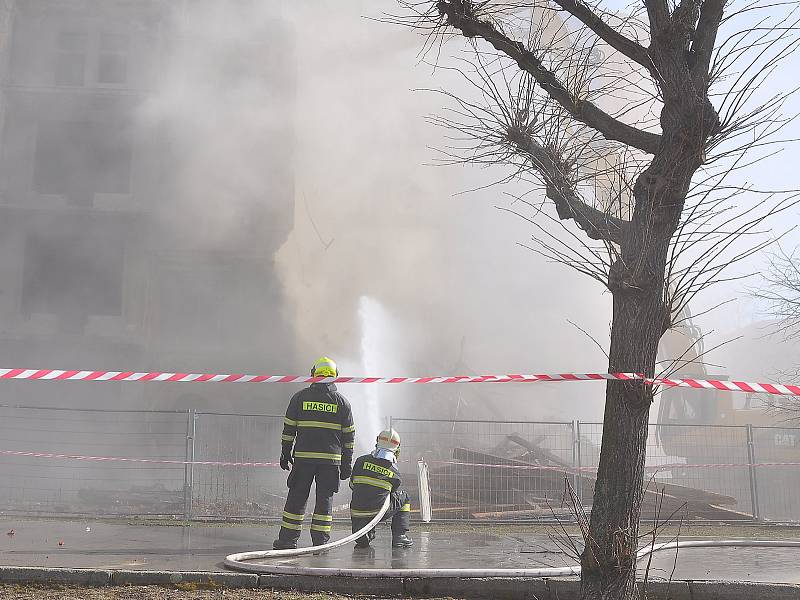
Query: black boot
pixel 281 545
pixel 402 541
pixel 362 542
pixel 401 520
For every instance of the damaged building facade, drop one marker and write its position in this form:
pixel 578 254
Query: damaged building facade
pixel 104 260
pixel 98 271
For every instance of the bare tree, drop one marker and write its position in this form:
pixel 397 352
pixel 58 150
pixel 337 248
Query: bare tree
pixel 781 291
pixel 636 128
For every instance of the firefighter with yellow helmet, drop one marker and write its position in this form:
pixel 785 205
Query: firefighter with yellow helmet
pixel 376 476
pixel 317 443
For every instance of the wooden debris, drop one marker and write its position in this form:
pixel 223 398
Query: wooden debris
pixel 529 482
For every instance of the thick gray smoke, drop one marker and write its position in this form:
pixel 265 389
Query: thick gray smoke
pixel 385 250
pixel 270 159
pixel 261 192
pixel 241 187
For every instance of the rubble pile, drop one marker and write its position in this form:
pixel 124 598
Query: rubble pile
pixel 522 479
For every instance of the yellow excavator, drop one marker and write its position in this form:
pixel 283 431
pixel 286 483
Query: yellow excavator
pixel 708 431
pixel 688 406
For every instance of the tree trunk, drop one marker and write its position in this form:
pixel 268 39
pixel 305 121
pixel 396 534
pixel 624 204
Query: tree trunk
pixel 609 559
pixel 640 318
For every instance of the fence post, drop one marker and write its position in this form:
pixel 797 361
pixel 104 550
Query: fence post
pixel 188 468
pixel 751 461
pixel 576 449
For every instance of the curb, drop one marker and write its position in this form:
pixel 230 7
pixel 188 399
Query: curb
pixel 669 590
pixel 210 579
pixel 343 585
pixel 96 577
pixel 501 588
pixel 740 590
pixel 50 575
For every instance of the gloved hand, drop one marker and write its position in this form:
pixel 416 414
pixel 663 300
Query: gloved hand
pixel 345 470
pixel 286 460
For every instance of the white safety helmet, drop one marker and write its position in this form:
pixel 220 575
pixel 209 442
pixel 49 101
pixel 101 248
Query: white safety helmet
pixel 388 439
pixel 387 445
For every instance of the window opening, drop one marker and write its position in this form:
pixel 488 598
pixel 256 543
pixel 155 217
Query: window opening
pixel 70 63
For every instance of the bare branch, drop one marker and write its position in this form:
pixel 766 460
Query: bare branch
pixel 658 13
pixel 782 291
pixel 460 15
pixel 705 38
pixel 597 224
pixel 633 50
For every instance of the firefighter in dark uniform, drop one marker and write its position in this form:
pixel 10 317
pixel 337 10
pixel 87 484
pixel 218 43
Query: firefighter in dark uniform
pixel 319 424
pixel 375 476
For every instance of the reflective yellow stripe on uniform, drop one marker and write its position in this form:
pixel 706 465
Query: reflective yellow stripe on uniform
pixel 325 528
pixel 320 424
pixel 349 446
pixel 363 513
pixel 350 429
pixel 317 517
pixel 287 438
pixel 319 455
pixel 290 422
pixel 289 515
pixel 289 525
pixel 405 508
pixel 379 483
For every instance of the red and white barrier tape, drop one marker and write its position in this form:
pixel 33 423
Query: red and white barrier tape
pixel 594 469
pixel 158 461
pixel 59 375
pixel 714 384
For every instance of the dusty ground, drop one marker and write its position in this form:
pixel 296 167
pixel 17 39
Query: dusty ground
pixel 16 592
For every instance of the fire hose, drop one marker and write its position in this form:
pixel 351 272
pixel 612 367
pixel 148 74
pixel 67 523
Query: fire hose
pixel 239 561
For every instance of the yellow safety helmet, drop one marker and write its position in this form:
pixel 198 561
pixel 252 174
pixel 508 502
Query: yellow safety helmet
pixel 324 367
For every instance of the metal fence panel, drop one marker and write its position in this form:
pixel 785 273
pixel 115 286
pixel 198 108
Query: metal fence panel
pixel 777 472
pixel 43 483
pixel 481 468
pixel 104 462
pixel 474 469
pixel 223 490
pixel 703 457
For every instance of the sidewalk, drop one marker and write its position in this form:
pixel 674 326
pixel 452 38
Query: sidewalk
pixel 202 547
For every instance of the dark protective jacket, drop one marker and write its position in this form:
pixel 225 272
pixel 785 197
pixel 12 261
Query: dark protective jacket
pixel 319 423
pixel 372 480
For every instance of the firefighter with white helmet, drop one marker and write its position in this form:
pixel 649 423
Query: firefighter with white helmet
pixel 376 476
pixel 317 441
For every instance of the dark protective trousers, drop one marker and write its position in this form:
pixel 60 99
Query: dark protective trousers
pixel 303 474
pixel 399 512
